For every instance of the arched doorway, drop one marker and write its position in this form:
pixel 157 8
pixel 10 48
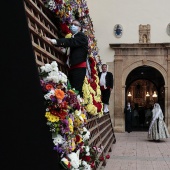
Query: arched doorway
pixel 129 58
pixel 144 87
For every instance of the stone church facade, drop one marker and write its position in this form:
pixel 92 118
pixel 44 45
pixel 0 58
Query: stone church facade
pixel 131 56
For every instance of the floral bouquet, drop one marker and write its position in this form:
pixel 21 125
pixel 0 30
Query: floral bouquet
pixel 66 117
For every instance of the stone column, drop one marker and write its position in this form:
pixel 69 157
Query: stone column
pixel 119 123
pixel 166 105
pixel 167 93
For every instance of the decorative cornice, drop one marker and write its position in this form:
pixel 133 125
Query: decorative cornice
pixel 149 49
pixel 140 45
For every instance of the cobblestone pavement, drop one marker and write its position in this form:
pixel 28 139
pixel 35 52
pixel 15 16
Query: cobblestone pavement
pixel 133 151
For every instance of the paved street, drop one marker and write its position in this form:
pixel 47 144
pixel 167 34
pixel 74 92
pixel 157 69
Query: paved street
pixel 133 151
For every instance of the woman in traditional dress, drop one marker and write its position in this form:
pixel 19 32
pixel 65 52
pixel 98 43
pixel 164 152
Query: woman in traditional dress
pixel 157 128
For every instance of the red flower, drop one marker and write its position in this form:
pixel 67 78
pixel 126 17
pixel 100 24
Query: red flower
pixel 92 165
pixel 78 138
pixel 65 28
pixel 62 114
pixel 69 165
pixel 82 143
pixel 86 11
pixel 98 105
pixel 107 156
pixel 93 71
pixel 93 85
pixel 86 158
pixel 49 87
pixel 63 105
pixel 101 158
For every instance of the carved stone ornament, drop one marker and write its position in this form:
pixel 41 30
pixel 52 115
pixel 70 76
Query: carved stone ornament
pixel 118 30
pixel 144 33
pixel 168 29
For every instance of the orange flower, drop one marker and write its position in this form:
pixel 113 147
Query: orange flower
pixel 59 94
pixel 49 87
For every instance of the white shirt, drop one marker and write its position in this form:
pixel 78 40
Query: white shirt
pixel 103 79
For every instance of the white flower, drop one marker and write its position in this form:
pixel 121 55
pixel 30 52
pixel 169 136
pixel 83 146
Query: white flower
pixel 53 73
pixel 86 165
pixel 63 80
pixel 55 79
pixel 78 113
pixel 74 157
pixel 47 96
pixel 54 64
pixel 62 77
pixel 80 100
pixel 42 68
pixel 99 150
pixel 87 148
pixel 48 68
pixel 58 140
pixel 88 154
pixel 55 69
pixel 48 79
pixel 45 79
pixel 52 92
pixel 87 134
pixel 52 5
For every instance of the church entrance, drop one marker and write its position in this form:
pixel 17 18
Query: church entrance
pixel 142 76
pixel 144 87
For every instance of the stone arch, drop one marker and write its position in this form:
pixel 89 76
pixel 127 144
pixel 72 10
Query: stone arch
pixel 153 64
pixel 134 65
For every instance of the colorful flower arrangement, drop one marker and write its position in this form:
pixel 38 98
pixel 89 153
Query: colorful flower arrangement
pixel 66 11
pixel 67 118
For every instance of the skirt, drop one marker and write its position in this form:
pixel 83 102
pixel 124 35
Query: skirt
pixel 159 131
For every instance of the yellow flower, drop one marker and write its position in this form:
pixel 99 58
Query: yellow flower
pixel 100 114
pixel 91 109
pixel 97 98
pixel 77 122
pixel 73 145
pixel 66 162
pixel 70 125
pixel 83 116
pixel 51 117
pixel 68 35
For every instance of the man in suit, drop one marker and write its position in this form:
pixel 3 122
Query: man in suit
pixel 106 86
pixel 78 44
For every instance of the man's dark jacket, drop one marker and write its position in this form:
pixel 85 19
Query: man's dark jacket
pixel 78 47
pixel 109 79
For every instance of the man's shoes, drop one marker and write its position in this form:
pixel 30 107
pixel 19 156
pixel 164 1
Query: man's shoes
pixel 106 113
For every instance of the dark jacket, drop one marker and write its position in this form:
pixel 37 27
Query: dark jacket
pixel 78 47
pixel 109 79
